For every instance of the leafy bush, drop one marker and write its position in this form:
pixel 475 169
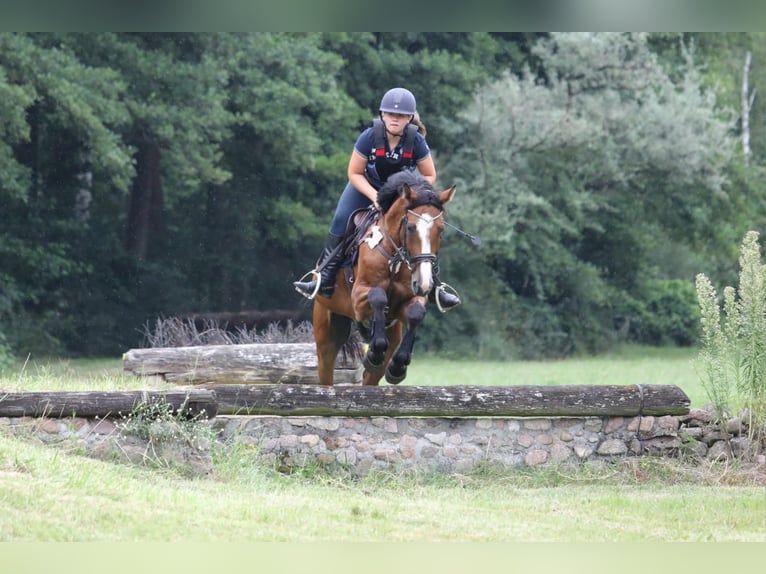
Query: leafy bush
pixel 669 314
pixel 6 358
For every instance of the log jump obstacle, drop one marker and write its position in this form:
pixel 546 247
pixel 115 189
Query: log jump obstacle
pixel 458 401
pixel 450 429
pixel 291 363
pixel 241 390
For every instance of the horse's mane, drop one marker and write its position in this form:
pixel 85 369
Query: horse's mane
pixel 392 190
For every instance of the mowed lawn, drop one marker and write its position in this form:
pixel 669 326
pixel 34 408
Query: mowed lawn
pixel 50 494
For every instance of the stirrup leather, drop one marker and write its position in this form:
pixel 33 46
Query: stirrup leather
pixel 312 275
pixel 448 289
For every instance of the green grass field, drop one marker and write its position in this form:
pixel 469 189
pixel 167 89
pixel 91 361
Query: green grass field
pixel 49 494
pixel 628 366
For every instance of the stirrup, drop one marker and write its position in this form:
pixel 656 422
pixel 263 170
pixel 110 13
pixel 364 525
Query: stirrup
pixel 315 276
pixel 450 290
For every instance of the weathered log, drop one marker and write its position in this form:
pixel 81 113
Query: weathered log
pixel 453 401
pixel 231 364
pixel 63 404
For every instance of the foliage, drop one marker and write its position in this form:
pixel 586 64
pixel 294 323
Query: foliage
pixel 669 314
pixel 6 358
pixel 733 353
pixel 60 120
pixel 724 57
pixel 157 422
pixel 159 174
pixel 573 177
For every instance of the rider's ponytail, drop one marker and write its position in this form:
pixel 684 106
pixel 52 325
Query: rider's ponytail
pixel 420 124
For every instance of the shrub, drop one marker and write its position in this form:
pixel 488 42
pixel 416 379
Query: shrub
pixel 670 314
pixel 6 358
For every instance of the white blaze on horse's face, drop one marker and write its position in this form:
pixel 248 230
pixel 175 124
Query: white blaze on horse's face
pixel 422 275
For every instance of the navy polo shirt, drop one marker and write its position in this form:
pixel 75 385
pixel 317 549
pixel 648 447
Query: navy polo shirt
pixel 379 171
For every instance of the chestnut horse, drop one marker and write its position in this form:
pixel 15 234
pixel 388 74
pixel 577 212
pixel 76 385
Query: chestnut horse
pixel 392 277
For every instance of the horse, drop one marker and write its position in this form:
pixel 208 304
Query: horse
pixel 393 274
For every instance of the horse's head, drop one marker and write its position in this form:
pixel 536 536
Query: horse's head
pixel 414 217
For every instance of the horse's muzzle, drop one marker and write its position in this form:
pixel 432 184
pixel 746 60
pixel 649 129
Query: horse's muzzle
pixel 421 290
pixel 422 273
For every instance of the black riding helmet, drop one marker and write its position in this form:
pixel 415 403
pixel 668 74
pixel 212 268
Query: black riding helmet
pixel 398 101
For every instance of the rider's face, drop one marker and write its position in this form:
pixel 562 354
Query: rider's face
pixel 395 123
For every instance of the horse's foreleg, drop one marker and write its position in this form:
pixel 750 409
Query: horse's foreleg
pixel 397 368
pixel 374 358
pixel 394 336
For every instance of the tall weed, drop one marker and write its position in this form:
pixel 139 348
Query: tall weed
pixel 733 346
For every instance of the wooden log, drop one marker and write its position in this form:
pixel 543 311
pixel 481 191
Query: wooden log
pixel 453 401
pixel 237 364
pixel 62 404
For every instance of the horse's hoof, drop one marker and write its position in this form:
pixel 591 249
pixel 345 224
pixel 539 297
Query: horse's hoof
pixel 370 366
pixel 395 379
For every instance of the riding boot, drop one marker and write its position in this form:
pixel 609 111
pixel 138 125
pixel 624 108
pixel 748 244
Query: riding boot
pixel 327 268
pixel 445 297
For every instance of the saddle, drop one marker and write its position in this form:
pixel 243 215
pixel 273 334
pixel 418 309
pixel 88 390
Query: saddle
pixel 356 231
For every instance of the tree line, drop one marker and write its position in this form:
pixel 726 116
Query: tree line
pixel 152 174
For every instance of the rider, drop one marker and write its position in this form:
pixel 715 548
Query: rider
pixel 403 147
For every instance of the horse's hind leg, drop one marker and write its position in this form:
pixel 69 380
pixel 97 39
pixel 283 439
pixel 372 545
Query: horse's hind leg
pixel 397 368
pixel 374 358
pixel 331 332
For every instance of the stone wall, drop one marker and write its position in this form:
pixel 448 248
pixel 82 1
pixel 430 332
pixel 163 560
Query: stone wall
pixel 103 439
pixel 435 444
pixel 458 444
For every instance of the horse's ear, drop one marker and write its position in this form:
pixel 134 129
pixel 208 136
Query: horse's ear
pixel 447 195
pixel 408 193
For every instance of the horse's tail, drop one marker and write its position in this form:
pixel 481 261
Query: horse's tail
pixel 349 342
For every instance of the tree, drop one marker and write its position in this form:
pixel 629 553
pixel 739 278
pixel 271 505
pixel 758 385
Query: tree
pixel 59 119
pixel 162 174
pixel 442 69
pixel 575 179
pixel 287 154
pixel 177 119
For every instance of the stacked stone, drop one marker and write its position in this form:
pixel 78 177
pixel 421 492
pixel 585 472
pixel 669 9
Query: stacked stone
pixel 78 431
pixel 101 438
pixel 716 441
pixel 428 443
pixel 455 445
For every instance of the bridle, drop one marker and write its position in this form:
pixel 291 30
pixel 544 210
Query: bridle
pixel 400 253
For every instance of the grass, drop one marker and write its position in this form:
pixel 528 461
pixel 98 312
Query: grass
pixel 54 374
pixel 625 366
pixel 49 494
